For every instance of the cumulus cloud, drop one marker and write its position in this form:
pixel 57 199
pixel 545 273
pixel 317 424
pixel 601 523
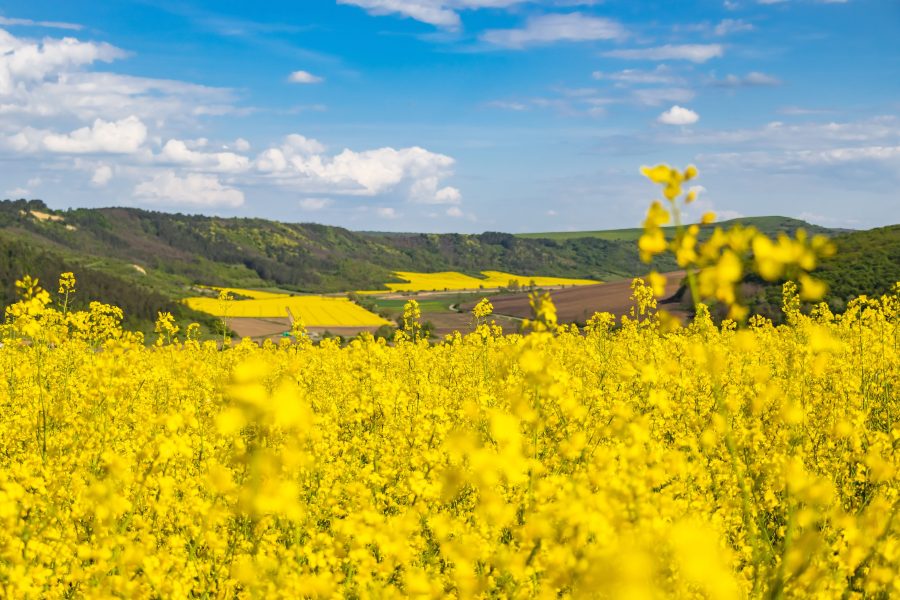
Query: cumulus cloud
pixel 53 104
pixel 386 212
pixel 678 115
pixel 23 61
pixel 48 79
pixel 194 189
pixel 301 163
pixel 545 29
pixel 177 152
pixel 697 53
pixel 103 137
pixel 304 77
pixel 454 211
pixel 102 175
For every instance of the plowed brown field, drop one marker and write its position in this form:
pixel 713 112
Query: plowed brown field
pixel 577 304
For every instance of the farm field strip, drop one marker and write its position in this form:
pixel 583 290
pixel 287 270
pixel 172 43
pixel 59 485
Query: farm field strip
pixel 314 311
pixel 453 280
pixel 253 294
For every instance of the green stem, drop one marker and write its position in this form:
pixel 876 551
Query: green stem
pixel 691 276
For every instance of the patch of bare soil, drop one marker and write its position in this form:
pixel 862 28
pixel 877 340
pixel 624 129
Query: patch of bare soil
pixel 578 304
pixel 258 328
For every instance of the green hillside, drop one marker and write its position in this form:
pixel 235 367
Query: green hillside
pixel 146 261
pixel 866 262
pixel 175 251
pixel 769 225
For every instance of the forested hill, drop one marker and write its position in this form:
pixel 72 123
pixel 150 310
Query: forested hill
pixel 145 260
pixel 175 250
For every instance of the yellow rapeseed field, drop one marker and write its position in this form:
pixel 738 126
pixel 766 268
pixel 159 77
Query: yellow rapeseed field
pixel 501 279
pixel 253 294
pixel 451 280
pixel 634 459
pixel 314 311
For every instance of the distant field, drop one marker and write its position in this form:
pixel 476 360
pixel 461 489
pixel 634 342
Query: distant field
pixel 397 304
pixel 768 225
pixel 452 280
pixel 314 311
pixel 254 294
pixel 578 304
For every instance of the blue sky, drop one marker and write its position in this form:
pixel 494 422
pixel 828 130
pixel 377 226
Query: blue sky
pixel 453 115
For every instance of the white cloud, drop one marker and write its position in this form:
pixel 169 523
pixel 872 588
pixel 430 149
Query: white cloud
pixel 52 104
pixel 427 191
pixel 657 96
pixel 91 95
pixel 433 13
pixel 304 77
pixel 119 137
pixel 752 79
pixel 448 195
pixel 177 152
pixel 312 204
pixel 23 61
pixel 194 189
pixel 102 175
pixel 386 212
pixel 505 105
pixel 544 29
pixel 17 193
pixel 662 74
pixel 698 53
pixel 877 131
pixel 298 144
pixel 678 115
pixel 47 79
pixel 13 22
pixel 833 156
pixel 865 150
pixel 301 163
pixel 728 26
pixel 440 13
pixel 454 211
pixel 802 111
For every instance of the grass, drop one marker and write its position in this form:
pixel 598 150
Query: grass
pixel 768 225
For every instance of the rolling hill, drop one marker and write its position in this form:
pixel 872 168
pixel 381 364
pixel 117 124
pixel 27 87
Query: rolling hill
pixel 769 225
pixel 146 261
